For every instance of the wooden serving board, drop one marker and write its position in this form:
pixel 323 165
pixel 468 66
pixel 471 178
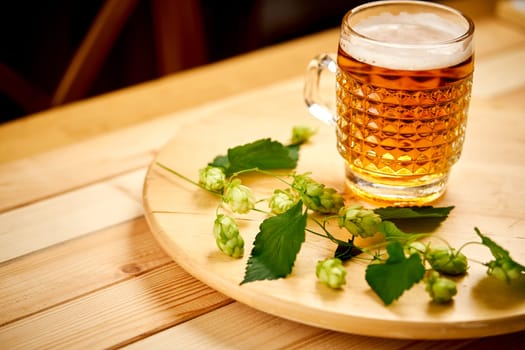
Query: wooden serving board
pixel 488 196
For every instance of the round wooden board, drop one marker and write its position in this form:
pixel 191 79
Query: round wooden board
pixel 181 218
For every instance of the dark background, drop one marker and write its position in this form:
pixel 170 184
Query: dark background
pixel 39 38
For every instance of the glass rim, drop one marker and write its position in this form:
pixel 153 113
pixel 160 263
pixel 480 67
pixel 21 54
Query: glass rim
pixel 468 33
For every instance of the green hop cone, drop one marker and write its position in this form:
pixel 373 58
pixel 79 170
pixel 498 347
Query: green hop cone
pixel 441 289
pixel 212 178
pixel 316 196
pixel 281 201
pixel 239 198
pixel 301 134
pixel 227 236
pixel 359 221
pixel 331 272
pixel 447 260
pixel 504 270
pixel 503 266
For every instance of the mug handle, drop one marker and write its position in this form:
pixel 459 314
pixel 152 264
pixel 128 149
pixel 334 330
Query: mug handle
pixel 316 100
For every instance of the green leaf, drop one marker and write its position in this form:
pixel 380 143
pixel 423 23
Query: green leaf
pixel 497 251
pixel 221 162
pixel 398 274
pixel 276 245
pixel 264 154
pixel 392 232
pixel 392 213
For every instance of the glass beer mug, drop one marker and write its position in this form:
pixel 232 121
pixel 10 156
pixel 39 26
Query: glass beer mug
pixel 403 81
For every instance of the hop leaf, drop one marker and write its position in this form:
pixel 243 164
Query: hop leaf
pixel 276 245
pixel 263 154
pixel 392 213
pixel 391 231
pixel 398 274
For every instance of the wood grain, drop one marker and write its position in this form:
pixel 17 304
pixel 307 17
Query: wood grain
pixel 68 215
pixel 117 314
pixel 254 329
pixel 48 278
pixel 63 170
pixel 233 326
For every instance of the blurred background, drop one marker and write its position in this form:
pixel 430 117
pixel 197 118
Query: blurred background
pixel 57 51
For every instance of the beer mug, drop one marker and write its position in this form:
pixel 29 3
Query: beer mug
pixel 403 81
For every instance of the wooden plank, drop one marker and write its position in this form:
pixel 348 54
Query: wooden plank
pixel 233 326
pixel 63 170
pixel 47 278
pixel 115 315
pixel 70 215
pixel 239 326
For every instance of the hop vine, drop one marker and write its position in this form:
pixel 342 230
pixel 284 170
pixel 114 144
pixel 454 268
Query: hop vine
pixel 303 206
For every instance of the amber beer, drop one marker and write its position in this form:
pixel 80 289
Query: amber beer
pixel 404 77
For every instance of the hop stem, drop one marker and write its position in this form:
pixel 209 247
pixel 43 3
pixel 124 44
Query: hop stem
pixel 183 177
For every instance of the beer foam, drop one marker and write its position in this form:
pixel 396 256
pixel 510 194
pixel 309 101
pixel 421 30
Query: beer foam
pixel 407 41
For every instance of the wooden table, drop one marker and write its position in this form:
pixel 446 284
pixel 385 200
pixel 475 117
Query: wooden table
pixel 79 267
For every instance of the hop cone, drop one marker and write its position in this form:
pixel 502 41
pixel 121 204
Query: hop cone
pixel 212 178
pixel 301 134
pixel 504 270
pixel 316 196
pixel 359 221
pixel 331 272
pixel 447 261
pixel 227 236
pixel 239 197
pixel 441 289
pixel 281 201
